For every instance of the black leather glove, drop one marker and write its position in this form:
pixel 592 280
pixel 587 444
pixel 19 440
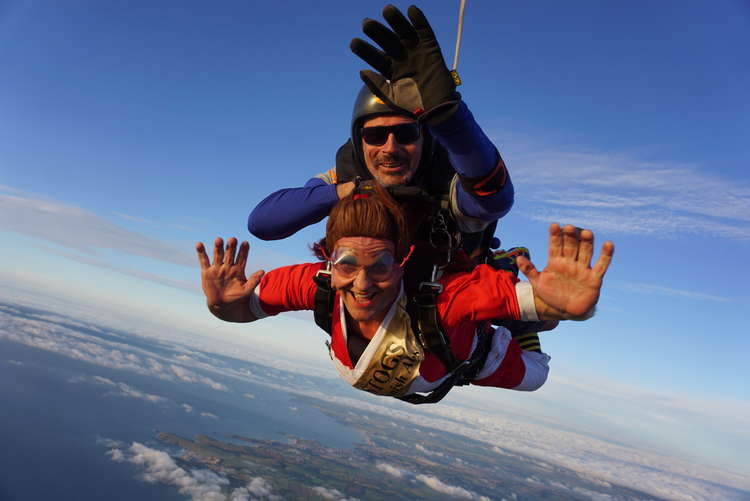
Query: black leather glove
pixel 412 77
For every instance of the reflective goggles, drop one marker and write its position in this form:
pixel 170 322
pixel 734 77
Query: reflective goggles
pixel 406 133
pixel 345 262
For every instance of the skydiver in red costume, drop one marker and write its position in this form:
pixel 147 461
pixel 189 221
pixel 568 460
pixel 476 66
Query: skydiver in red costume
pixel 373 343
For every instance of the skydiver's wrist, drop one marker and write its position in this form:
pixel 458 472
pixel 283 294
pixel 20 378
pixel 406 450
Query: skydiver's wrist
pixel 236 312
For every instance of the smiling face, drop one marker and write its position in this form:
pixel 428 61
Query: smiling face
pixel 366 275
pixel 392 163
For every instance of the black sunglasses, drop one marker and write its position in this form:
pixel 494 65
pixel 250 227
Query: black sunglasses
pixel 404 133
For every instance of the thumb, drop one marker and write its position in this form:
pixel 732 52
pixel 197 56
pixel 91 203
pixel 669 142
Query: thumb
pixel 253 281
pixel 527 268
pixel 379 86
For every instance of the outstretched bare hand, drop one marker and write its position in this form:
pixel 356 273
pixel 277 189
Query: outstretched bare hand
pixel 568 287
pixel 223 280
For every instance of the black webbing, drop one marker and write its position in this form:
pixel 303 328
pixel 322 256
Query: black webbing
pixel 323 303
pixel 422 309
pixel 462 375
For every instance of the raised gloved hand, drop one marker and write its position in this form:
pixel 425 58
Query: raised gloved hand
pixel 412 74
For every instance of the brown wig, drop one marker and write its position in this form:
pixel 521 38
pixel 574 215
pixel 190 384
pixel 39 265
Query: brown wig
pixel 371 214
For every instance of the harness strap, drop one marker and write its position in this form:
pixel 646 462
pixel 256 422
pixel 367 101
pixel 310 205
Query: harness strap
pixel 464 374
pixel 323 300
pixel 422 309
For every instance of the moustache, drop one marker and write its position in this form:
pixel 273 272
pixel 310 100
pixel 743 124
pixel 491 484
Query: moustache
pixel 387 158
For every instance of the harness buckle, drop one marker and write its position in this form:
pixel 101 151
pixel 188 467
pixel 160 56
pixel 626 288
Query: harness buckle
pixel 430 287
pixel 319 275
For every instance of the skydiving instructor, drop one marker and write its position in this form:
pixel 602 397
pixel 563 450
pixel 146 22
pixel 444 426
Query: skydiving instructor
pixel 409 128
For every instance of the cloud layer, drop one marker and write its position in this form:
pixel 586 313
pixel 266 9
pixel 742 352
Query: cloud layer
pixel 618 193
pixel 596 459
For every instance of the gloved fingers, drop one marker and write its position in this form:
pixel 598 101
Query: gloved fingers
pixel 384 37
pixel 418 19
pixel 372 56
pixel 401 25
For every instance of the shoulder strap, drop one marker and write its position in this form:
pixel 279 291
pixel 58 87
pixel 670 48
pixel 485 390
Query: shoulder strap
pixel 422 309
pixel 323 301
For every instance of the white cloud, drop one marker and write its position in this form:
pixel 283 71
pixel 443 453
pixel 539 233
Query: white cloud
pixel 390 470
pixel 428 452
pixel 134 219
pixel 103 380
pixel 642 288
pixel 125 390
pixel 128 391
pixel 67 341
pixel 617 193
pixel 80 230
pixel 262 488
pixel 193 286
pixel 15 362
pixel 333 494
pixel 209 415
pixel 191 377
pixel 199 485
pixel 435 484
pixel 239 494
pixel 187 408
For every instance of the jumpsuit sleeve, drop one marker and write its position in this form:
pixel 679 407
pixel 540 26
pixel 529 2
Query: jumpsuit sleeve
pixel 288 210
pixel 476 161
pixel 485 294
pixel 289 288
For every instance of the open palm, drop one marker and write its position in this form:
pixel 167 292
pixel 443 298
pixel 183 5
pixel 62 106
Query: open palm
pixel 223 279
pixel 569 285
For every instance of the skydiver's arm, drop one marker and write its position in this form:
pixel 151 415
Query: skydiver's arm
pixel 287 211
pixel 567 289
pixel 233 298
pixel 485 191
pixel 223 280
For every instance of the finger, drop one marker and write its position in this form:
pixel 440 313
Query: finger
pixel 384 37
pixel 418 19
pixel 555 241
pixel 527 268
pixel 253 281
pixel 242 254
pixel 586 248
pixel 400 25
pixel 202 256
pixel 231 249
pixel 218 251
pixel 372 56
pixel 602 264
pixel 571 241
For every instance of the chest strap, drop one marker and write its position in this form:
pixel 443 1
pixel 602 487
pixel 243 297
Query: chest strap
pixel 422 309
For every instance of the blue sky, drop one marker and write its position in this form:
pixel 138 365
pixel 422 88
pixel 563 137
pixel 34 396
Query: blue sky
pixel 128 131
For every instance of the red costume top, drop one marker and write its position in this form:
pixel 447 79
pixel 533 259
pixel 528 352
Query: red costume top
pixel 468 299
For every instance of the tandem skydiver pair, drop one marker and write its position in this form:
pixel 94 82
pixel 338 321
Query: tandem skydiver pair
pixel 417 173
